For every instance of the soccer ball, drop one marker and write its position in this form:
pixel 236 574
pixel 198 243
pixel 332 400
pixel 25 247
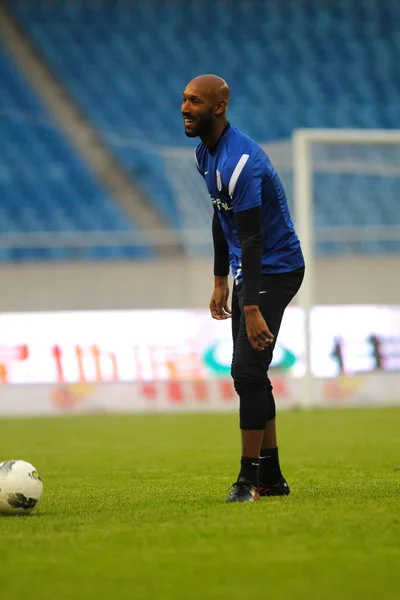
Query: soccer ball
pixel 20 487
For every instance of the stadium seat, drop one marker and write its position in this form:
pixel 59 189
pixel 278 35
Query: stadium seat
pixel 44 185
pixel 290 64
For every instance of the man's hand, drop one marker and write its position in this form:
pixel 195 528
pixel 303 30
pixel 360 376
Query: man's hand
pixel 257 330
pixel 219 300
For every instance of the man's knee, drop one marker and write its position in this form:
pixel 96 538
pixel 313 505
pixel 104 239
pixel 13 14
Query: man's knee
pixel 252 384
pixel 247 380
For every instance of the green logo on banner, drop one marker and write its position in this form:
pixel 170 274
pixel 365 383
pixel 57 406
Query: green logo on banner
pixel 211 361
pixel 286 361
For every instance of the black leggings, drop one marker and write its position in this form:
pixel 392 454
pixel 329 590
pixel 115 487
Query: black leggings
pixel 249 366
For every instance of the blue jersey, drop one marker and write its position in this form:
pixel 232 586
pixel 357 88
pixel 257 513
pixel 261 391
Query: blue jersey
pixel 239 176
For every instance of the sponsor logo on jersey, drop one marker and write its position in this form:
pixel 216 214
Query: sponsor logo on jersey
pixel 221 205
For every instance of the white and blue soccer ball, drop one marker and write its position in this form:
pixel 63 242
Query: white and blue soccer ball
pixel 20 487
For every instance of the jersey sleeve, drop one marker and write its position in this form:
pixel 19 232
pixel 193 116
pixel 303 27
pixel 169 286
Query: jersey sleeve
pixel 243 177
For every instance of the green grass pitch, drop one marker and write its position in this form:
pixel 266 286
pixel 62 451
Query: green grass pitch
pixel 134 507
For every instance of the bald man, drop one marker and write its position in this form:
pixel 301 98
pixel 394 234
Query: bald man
pixel 254 237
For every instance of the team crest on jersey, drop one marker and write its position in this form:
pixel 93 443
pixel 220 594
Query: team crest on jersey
pixel 219 181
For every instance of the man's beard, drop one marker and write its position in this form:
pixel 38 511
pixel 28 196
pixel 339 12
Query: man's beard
pixel 203 127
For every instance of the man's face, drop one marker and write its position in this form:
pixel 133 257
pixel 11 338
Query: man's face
pixel 198 111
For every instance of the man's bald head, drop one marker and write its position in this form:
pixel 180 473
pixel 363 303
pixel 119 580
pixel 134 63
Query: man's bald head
pixel 212 85
pixel 204 105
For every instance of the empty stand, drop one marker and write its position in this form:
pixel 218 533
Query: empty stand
pixel 290 64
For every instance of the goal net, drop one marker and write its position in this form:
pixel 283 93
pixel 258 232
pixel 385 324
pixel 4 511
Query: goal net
pixel 346 190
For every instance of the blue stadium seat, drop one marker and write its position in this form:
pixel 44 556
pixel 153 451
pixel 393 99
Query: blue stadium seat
pixel 290 64
pixel 44 185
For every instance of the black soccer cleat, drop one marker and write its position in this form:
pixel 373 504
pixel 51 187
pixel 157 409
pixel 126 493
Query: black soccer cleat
pixel 243 491
pixel 279 489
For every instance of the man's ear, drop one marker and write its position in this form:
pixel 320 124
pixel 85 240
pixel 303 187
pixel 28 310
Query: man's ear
pixel 220 107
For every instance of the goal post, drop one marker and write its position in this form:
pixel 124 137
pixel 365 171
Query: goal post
pixel 303 142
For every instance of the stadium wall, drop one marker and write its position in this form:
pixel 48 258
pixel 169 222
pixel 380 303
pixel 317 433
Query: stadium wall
pixel 176 284
pixel 92 368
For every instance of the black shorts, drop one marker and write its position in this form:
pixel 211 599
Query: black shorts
pixel 276 292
